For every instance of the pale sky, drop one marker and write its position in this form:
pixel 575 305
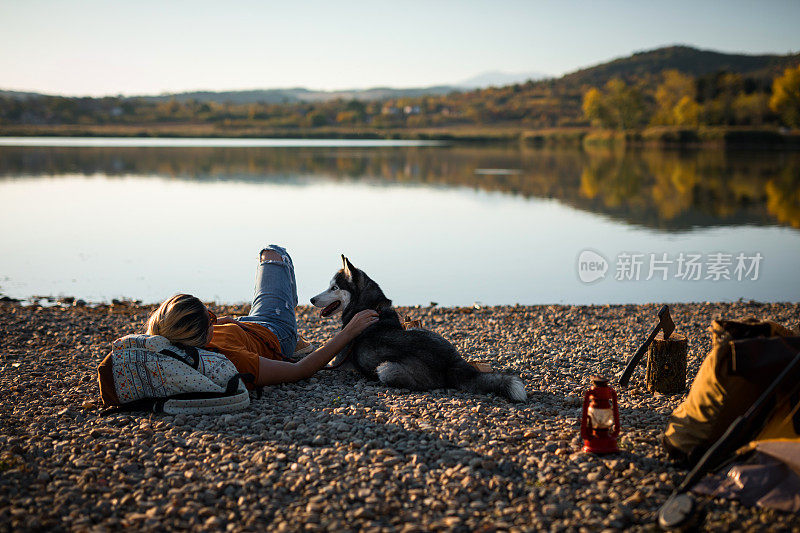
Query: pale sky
pixel 101 47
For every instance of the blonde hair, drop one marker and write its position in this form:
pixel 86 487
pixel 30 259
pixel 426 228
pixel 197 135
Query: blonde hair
pixel 182 319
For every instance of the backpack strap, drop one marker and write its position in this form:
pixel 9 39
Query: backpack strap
pixel 231 389
pixel 191 351
pixel 225 404
pixel 212 402
pixel 145 404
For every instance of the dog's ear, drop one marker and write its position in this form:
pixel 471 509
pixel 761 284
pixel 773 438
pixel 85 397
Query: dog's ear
pixel 349 269
pixel 346 268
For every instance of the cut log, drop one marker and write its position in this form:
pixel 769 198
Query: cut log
pixel 666 364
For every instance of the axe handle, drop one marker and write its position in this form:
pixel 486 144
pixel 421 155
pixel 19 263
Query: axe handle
pixel 626 375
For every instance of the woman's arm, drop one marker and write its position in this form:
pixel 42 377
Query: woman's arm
pixel 272 372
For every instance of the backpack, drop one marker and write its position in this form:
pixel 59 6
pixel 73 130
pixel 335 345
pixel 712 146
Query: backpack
pixel 745 358
pixel 147 372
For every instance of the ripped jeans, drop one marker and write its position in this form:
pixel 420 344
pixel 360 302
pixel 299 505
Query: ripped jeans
pixel 275 298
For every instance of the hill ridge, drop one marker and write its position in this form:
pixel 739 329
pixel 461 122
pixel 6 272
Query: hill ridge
pixel 687 59
pixel 683 57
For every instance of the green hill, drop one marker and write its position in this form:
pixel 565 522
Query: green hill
pixel 685 59
pixel 732 90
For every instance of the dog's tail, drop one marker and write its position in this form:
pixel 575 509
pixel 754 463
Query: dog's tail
pixel 466 377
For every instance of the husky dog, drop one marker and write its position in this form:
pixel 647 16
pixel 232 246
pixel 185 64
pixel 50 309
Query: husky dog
pixel 415 359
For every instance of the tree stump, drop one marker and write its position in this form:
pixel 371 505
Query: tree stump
pixel 666 364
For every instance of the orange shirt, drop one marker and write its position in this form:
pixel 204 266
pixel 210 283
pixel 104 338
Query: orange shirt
pixel 243 343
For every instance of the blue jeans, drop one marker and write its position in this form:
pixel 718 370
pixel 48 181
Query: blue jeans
pixel 275 298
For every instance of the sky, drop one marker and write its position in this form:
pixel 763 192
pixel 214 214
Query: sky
pixel 109 47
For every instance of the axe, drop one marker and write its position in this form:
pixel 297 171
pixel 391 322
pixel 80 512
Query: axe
pixel 666 325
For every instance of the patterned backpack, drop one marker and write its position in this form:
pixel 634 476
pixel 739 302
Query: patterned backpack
pixel 147 372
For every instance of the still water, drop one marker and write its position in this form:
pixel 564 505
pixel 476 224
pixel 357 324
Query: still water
pixel 143 219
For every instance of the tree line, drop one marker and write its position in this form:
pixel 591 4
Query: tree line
pixel 669 98
pixel 724 99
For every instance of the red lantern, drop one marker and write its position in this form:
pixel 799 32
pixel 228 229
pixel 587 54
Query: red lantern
pixel 600 418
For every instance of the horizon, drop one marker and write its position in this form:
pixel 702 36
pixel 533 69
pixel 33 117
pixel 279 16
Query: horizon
pixel 456 85
pixel 150 49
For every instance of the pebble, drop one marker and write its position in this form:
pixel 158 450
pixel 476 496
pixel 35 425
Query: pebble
pixel 338 452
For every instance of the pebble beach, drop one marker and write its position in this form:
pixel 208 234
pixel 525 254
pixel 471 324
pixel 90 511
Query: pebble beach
pixel 339 453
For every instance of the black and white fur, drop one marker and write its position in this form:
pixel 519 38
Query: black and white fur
pixel 414 359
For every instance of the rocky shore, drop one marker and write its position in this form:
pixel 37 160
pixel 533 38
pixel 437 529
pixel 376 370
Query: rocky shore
pixel 339 453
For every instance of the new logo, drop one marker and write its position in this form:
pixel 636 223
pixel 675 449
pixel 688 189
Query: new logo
pixel 591 266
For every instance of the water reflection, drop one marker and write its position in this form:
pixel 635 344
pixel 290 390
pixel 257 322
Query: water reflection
pixel 666 190
pixel 447 200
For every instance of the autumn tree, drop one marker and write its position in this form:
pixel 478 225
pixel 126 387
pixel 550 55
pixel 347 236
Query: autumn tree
pixel 676 100
pixel 595 109
pixel 618 106
pixel 316 119
pixel 785 99
pixel 686 112
pixel 721 108
pixel 751 109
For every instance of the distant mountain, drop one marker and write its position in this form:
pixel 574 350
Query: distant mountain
pixel 277 96
pixel 266 96
pixel 686 59
pixel 299 94
pixel 499 79
pixel 19 95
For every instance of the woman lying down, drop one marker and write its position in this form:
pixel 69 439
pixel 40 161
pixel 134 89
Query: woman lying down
pixel 263 342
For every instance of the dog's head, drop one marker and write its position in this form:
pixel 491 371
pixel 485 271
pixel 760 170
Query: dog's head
pixel 349 292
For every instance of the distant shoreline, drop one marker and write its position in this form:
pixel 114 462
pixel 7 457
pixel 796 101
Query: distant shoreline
pixel 239 308
pixel 658 137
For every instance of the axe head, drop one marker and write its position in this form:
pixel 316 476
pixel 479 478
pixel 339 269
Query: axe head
pixel 665 321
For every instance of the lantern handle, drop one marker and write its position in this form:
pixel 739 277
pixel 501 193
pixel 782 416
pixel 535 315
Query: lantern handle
pixel 585 415
pixel 617 428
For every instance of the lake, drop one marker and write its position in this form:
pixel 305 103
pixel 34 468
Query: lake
pixel 146 218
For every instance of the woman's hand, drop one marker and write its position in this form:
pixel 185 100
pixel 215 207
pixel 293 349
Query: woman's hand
pixel 361 321
pixel 272 372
